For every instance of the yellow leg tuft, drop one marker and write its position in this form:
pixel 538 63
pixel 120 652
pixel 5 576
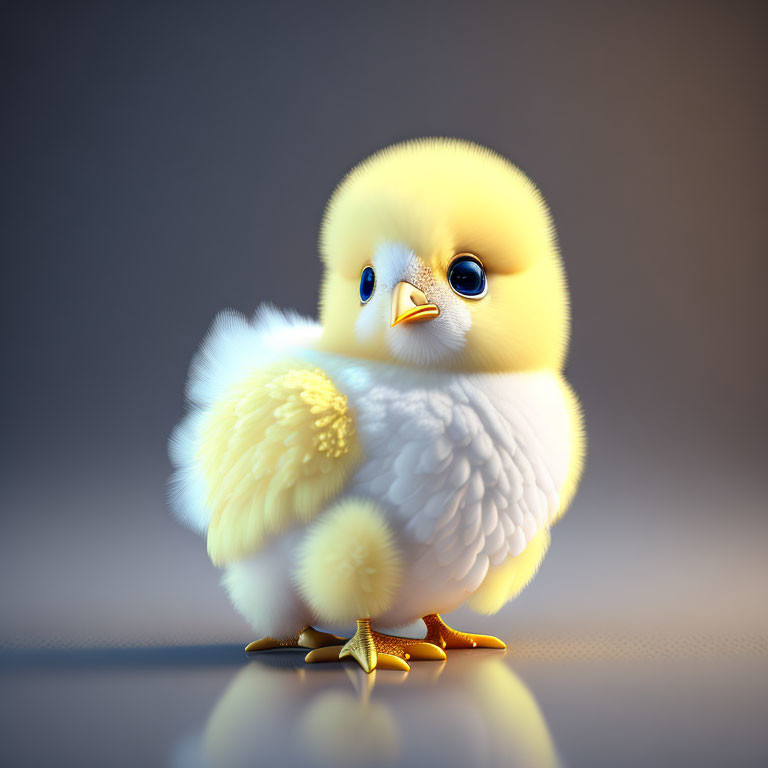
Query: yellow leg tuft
pixel 349 565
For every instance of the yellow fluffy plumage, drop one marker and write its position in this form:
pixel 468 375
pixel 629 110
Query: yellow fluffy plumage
pixel 578 449
pixel 473 440
pixel 507 581
pixel 425 193
pixel 273 452
pixel 349 564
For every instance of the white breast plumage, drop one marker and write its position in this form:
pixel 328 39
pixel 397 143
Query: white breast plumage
pixel 469 467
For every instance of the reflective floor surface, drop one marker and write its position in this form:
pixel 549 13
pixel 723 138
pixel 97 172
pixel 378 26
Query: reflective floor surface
pixel 696 702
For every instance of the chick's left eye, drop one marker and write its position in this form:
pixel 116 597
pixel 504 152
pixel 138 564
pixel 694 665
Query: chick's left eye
pixel 367 283
pixel 467 277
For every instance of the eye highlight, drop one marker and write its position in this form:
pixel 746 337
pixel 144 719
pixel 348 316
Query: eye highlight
pixel 367 284
pixel 467 277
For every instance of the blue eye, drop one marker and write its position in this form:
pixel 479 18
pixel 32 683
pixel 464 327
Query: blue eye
pixel 467 277
pixel 367 284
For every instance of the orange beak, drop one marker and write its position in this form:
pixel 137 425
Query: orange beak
pixel 409 305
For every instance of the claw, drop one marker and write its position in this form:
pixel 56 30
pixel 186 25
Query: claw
pixel 487 641
pixel 388 661
pixel 313 638
pixel 421 651
pixel 443 636
pixel 309 637
pixel 326 653
pixel 267 644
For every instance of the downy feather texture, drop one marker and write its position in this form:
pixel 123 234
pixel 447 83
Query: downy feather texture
pixel 466 469
pixel 234 348
pixel 437 198
pixel 349 563
pixel 444 450
pixel 273 451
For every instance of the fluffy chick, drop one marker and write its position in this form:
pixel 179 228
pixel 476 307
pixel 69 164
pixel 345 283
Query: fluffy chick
pixel 409 452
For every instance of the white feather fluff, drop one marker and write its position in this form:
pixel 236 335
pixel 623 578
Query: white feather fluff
pixel 466 467
pixel 234 346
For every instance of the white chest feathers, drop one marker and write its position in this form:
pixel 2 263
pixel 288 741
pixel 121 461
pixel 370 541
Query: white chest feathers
pixel 468 466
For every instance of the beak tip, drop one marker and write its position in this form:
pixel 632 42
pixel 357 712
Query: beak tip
pixel 410 305
pixel 418 314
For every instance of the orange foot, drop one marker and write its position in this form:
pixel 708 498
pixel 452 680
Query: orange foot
pixel 443 636
pixel 309 637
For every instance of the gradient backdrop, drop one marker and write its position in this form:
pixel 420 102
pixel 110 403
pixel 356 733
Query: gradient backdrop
pixel 163 161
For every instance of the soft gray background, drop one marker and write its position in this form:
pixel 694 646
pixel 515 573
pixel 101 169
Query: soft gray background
pixel 162 161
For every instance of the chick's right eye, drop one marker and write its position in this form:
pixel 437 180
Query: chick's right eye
pixel 367 284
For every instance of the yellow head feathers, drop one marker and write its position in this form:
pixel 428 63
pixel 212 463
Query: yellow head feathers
pixel 407 212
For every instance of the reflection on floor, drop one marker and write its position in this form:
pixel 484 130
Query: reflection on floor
pixel 590 701
pixel 281 711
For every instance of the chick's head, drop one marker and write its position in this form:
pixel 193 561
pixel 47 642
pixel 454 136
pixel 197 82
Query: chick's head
pixel 441 254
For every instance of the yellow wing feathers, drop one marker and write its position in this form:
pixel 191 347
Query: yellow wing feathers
pixel 578 451
pixel 273 452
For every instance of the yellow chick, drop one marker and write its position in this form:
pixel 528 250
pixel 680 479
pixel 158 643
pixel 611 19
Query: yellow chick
pixel 410 452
